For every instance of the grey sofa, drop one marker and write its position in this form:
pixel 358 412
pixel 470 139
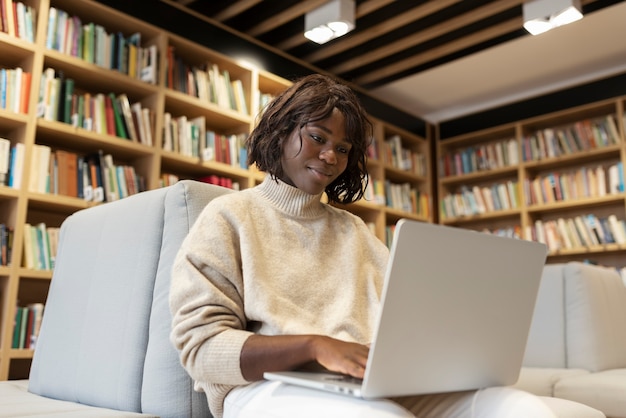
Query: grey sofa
pixel 105 335
pixel 576 348
pixel 104 348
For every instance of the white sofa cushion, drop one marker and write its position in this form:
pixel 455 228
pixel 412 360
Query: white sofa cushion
pixel 596 314
pixel 541 380
pixel 16 401
pixel 605 391
pixel 545 346
pixel 563 408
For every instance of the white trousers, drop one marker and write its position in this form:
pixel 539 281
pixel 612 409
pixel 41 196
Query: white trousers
pixel 279 400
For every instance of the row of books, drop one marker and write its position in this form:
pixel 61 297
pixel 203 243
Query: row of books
pixel 92 43
pixel 93 177
pixel 404 197
pixel 207 82
pixel 479 200
pixel 167 179
pixel 514 231
pixel 569 139
pixel 27 325
pixel 15 89
pixel 5 161
pixel 264 100
pixel 6 244
pixel 584 182
pixel 490 156
pixel 401 196
pixel 398 156
pixel 17 19
pixel 375 192
pixel 578 232
pixel 189 137
pixel 106 114
pixel 40 246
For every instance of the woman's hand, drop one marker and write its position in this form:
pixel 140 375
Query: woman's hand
pixel 340 356
pixel 287 352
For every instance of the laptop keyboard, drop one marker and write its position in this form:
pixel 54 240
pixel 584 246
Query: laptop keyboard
pixel 345 378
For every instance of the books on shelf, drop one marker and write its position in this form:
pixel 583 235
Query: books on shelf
pixel 207 82
pixel 375 191
pixel 479 200
pixel 584 135
pixel 220 181
pixel 17 19
pixel 190 138
pixel 40 245
pixel 104 181
pixel 483 157
pixel 27 325
pixel 405 197
pixel 92 43
pixel 6 244
pixel 39 176
pixel 403 158
pixel 507 232
pixel 577 232
pixel 574 184
pixel 15 87
pixel 92 177
pixel 5 160
pixel 16 165
pixel 106 114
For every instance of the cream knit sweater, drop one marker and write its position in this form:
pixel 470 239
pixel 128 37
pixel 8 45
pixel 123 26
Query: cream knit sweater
pixel 270 260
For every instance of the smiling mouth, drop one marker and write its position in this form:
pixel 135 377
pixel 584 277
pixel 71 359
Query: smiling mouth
pixel 321 173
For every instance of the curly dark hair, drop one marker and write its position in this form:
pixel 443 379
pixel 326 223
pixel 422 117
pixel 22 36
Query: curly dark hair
pixel 310 99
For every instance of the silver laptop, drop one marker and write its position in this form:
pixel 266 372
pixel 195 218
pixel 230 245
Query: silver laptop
pixel 455 315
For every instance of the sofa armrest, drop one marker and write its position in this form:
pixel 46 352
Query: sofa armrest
pixel 596 314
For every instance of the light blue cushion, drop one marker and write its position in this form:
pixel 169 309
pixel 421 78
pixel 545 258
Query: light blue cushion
pixel 105 334
pixel 168 390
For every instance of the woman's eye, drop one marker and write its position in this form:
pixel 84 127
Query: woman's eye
pixel 343 150
pixel 317 138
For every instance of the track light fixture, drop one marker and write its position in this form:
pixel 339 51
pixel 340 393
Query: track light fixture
pixel 329 21
pixel 542 15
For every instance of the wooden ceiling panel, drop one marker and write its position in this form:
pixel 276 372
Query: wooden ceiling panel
pixel 392 39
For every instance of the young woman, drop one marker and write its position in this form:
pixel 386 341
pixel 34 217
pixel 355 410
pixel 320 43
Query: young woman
pixel 270 278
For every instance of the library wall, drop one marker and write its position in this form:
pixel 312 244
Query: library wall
pixel 557 178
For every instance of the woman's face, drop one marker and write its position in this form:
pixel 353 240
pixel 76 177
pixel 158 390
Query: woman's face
pixel 315 155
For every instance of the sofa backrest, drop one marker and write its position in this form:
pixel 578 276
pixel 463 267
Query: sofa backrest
pixel 104 339
pixel 545 346
pixel 596 317
pixel 579 319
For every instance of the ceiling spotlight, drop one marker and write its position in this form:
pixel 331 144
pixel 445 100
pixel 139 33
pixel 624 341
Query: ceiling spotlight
pixel 542 15
pixel 329 21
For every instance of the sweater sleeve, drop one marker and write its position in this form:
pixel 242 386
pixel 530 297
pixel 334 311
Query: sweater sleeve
pixel 208 324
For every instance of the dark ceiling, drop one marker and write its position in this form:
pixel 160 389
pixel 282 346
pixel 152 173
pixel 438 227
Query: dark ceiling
pixel 392 39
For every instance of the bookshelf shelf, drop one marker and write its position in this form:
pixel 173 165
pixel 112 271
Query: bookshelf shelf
pixel 143 72
pixel 8 193
pixel 15 50
pixel 10 120
pixel 37 275
pixel 56 203
pixel 21 353
pixel 492 216
pixel 62 134
pixel 226 120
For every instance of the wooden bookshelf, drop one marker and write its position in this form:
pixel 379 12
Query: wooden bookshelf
pixel 556 167
pixel 154 163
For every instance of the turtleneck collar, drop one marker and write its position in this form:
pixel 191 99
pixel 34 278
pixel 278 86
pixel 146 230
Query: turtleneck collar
pixel 290 199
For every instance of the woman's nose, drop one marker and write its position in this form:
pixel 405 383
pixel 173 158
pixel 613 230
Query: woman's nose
pixel 328 155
